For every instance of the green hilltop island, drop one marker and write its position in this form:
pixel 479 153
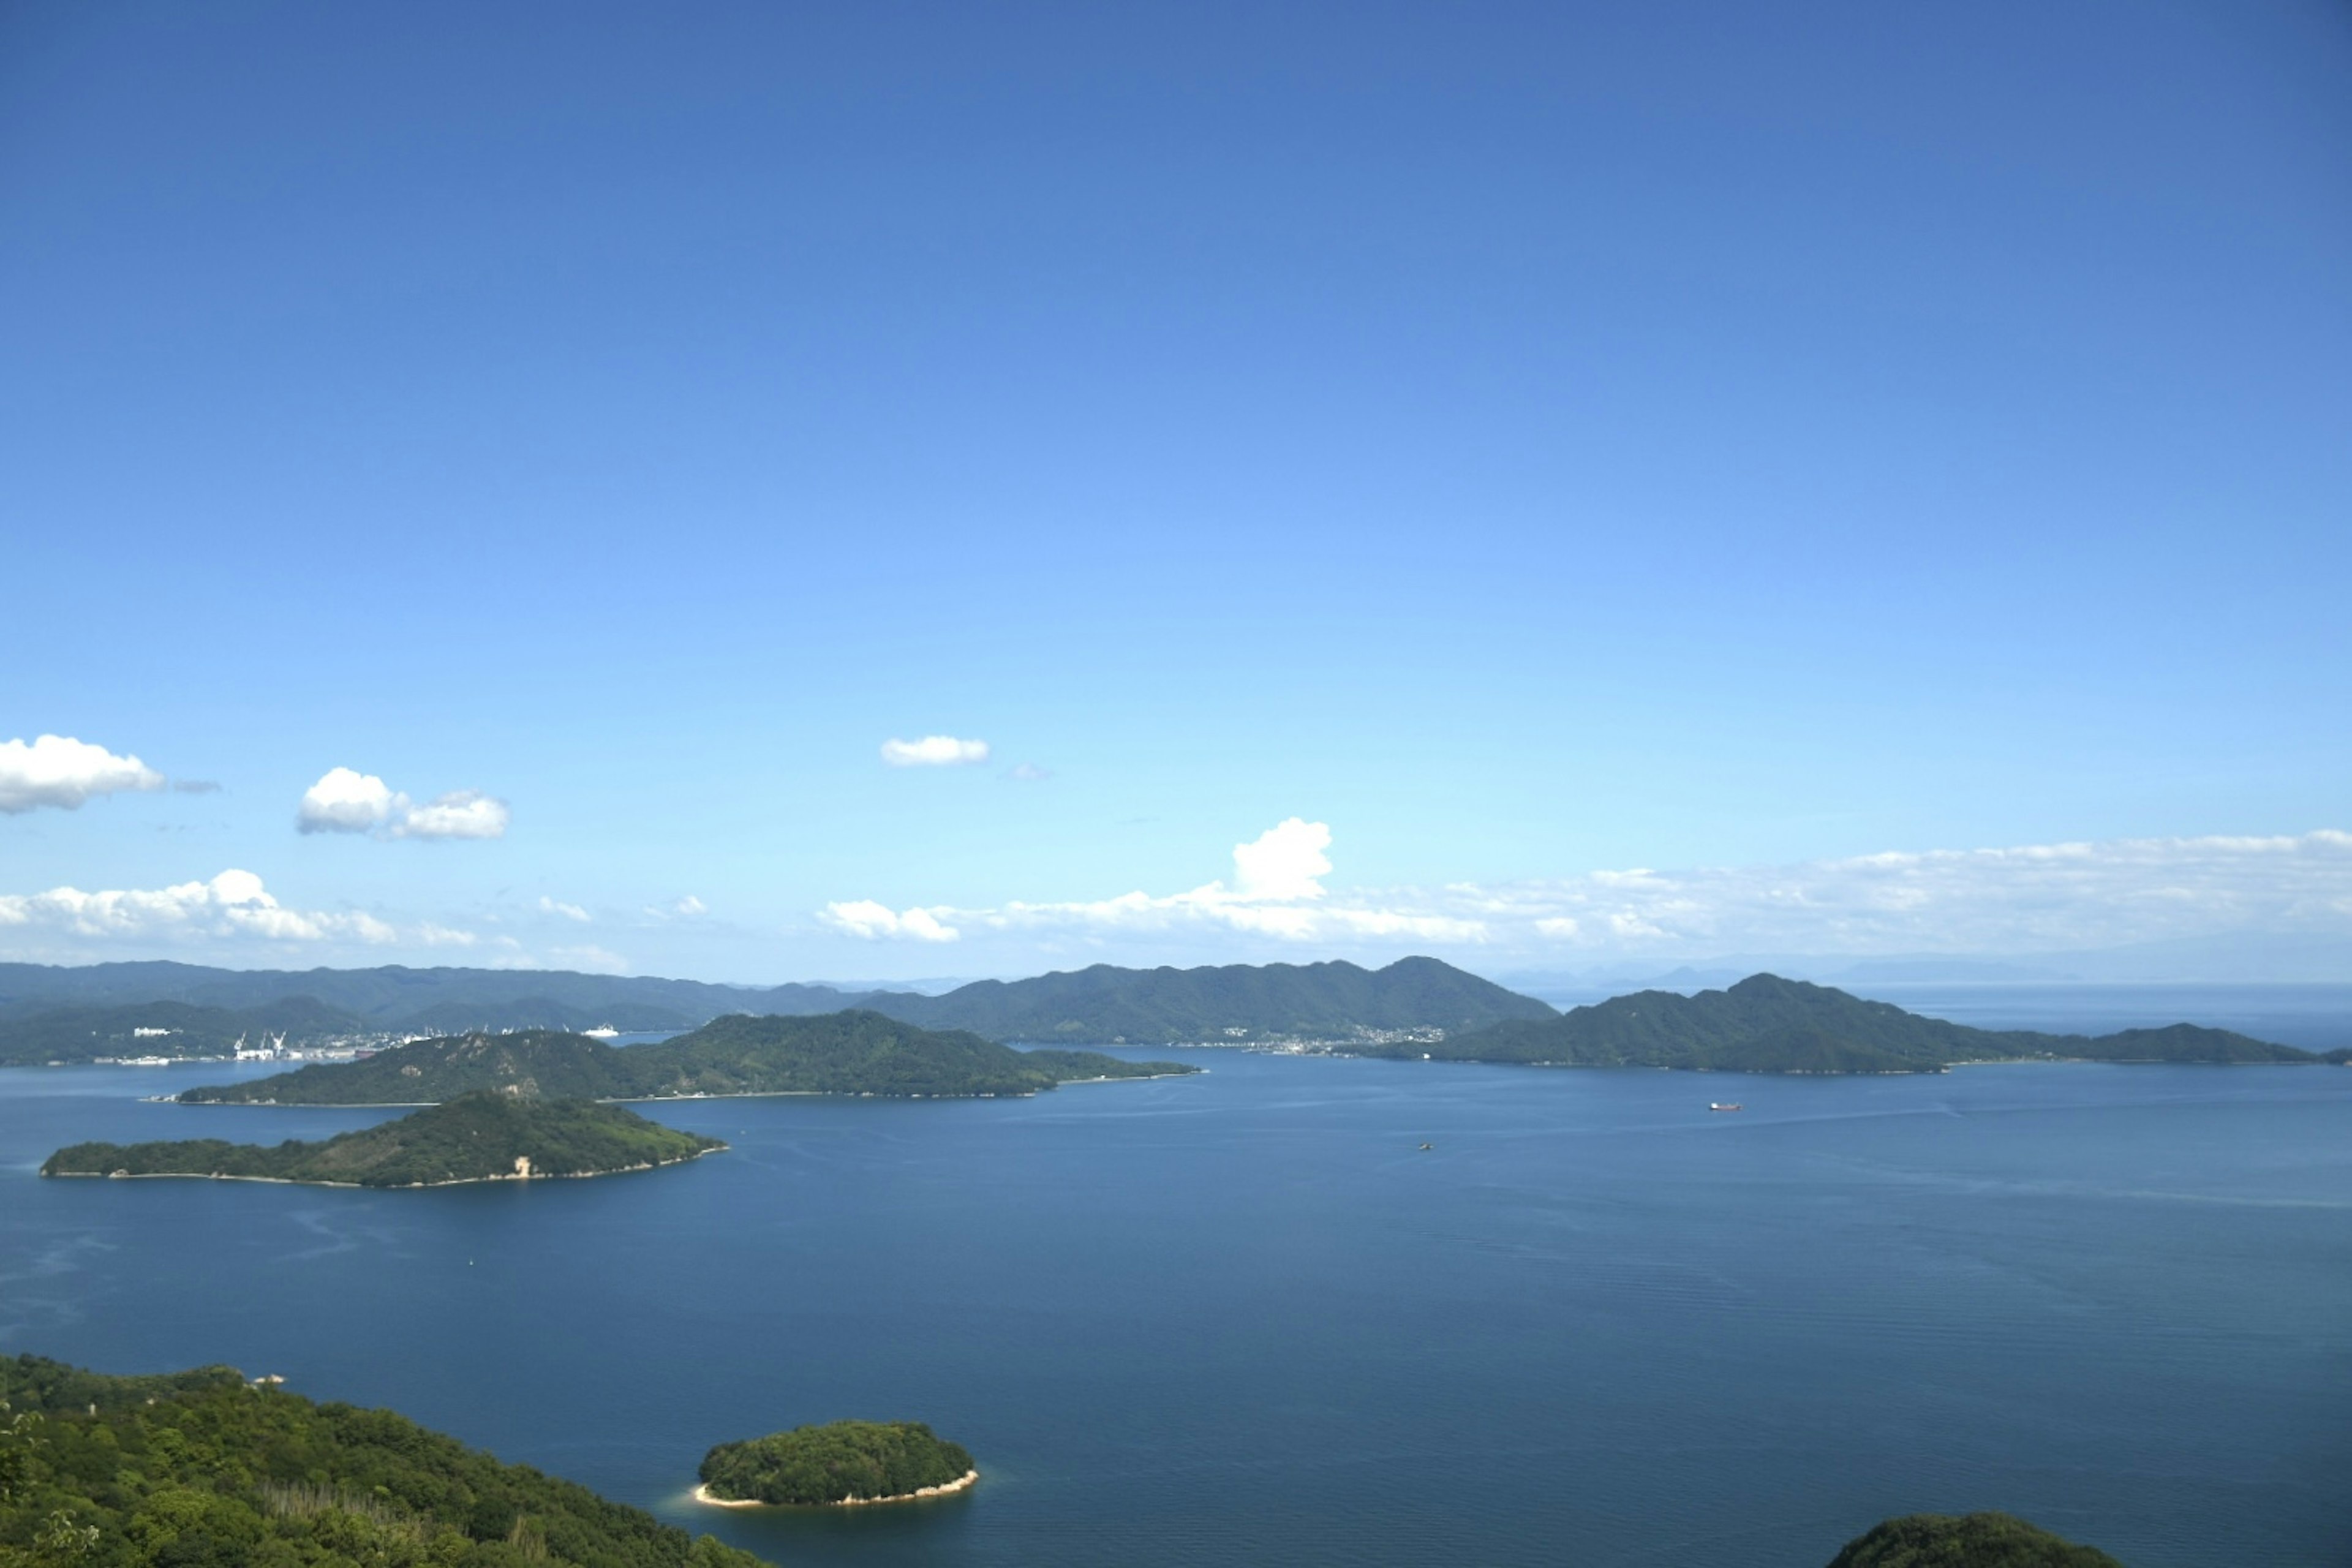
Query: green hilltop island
pixel 856 1053
pixel 1768 1025
pixel 843 1463
pixel 488 1135
pixel 205 1467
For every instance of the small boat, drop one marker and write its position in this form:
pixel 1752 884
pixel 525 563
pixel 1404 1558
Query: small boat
pixel 1426 1145
pixel 1724 1105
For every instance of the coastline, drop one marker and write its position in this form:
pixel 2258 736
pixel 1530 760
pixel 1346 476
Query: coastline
pixel 359 1186
pixel 962 1483
pixel 669 1098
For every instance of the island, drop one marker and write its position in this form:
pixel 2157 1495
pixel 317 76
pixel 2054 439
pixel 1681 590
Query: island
pixel 485 1136
pixel 1768 1024
pixel 1966 1541
pixel 841 1464
pixel 209 1467
pixel 852 1053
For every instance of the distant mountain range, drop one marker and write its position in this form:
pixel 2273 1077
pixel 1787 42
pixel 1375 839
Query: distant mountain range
pixel 74 1015
pixel 1766 1023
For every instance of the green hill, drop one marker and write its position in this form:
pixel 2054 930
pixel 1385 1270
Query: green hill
pixel 1236 1003
pixel 834 1053
pixel 479 1137
pixel 846 1461
pixel 200 1470
pixel 1766 1023
pixel 1966 1541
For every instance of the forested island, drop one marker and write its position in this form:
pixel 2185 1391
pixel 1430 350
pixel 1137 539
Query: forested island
pixel 1768 1025
pixel 836 1052
pixel 841 1463
pixel 202 1469
pixel 488 1135
pixel 1966 1541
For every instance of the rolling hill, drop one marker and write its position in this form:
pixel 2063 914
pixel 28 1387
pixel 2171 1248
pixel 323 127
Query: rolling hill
pixel 1766 1023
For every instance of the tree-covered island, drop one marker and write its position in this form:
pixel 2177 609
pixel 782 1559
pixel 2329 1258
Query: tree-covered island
pixel 832 1053
pixel 486 1136
pixel 844 1462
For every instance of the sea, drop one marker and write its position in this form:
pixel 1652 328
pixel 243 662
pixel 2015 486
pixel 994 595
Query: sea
pixel 1309 1311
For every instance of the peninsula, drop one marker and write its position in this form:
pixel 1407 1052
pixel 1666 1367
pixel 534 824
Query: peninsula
pixel 1768 1025
pixel 834 1053
pixel 486 1136
pixel 841 1464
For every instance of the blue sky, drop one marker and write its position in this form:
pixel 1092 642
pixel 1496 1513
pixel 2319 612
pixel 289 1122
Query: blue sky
pixel 1517 444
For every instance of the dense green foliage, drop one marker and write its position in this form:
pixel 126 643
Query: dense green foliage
pixel 200 1470
pixel 482 1136
pixel 837 1463
pixel 85 1034
pixel 1104 1006
pixel 834 1053
pixel 1966 1541
pixel 1766 1023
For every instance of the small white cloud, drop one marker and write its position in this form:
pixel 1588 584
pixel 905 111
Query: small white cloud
pixel 685 908
pixel 547 906
pixel 1028 773
pixel 1285 861
pixel 345 800
pixel 58 771
pixel 461 814
pixel 934 751
pixel 432 935
pixel 873 922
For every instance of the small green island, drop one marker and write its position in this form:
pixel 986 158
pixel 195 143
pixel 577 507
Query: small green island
pixel 486 1136
pixel 841 1464
pixel 1966 1541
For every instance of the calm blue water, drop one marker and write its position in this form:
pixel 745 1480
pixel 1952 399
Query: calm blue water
pixel 1241 1318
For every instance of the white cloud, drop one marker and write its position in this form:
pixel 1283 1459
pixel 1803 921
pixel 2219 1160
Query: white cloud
pixel 685 907
pixel 234 903
pixel 1284 861
pixel 461 814
pixel 864 918
pixel 547 906
pixel 1276 892
pixel 2034 898
pixel 1028 773
pixel 2046 897
pixel 58 771
pixel 345 800
pixel 934 751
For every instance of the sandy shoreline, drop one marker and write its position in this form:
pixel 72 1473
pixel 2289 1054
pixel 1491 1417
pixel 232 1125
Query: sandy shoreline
pixel 964 1482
